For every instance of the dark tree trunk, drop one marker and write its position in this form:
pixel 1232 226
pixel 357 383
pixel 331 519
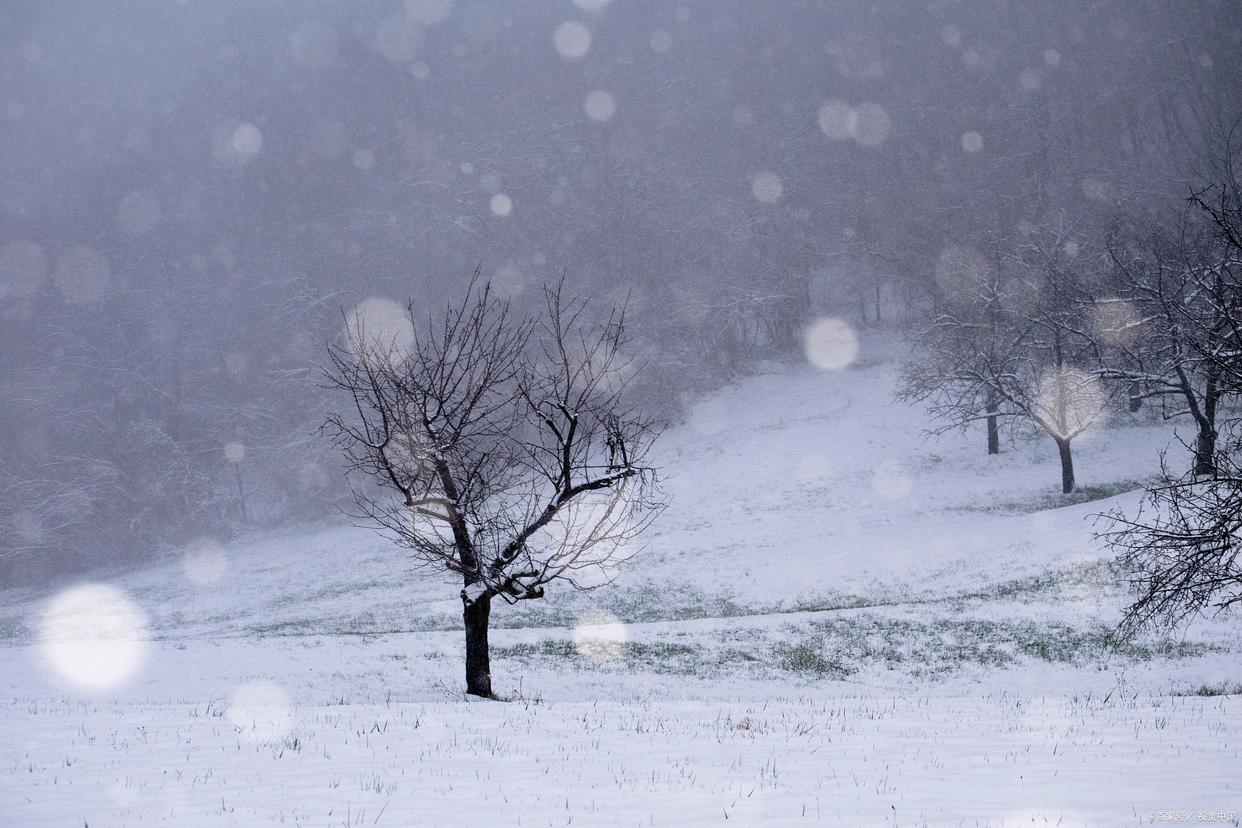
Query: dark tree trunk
pixel 993 425
pixel 1205 451
pixel 1136 396
pixel 1067 466
pixel 1205 445
pixel 478 658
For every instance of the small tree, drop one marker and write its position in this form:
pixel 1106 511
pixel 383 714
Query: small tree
pixel 964 348
pixel 497 448
pixel 1010 342
pixel 1049 384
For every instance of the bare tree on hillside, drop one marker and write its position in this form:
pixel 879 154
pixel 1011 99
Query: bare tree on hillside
pixel 1169 318
pixel 498 449
pixel 1010 342
pixel 1180 550
pixel 964 348
pixel 1055 383
pixel 1222 204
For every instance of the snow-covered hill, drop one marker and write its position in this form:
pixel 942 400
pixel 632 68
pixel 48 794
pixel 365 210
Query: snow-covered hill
pixel 821 554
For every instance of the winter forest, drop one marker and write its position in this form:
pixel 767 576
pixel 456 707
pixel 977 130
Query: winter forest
pixel 620 412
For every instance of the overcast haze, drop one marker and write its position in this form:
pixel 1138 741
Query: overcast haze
pixel 194 192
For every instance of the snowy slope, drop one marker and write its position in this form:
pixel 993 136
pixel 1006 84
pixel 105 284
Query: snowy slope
pixel 821 555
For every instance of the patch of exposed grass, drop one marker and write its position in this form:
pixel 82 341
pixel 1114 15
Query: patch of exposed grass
pixel 806 657
pixel 834 648
pixel 930 649
pixel 1055 500
pixel 1097 575
pixel 829 603
pixel 540 649
pixel 1087 494
pixel 630 606
pixel 661 657
pixel 1209 690
pixel 292 626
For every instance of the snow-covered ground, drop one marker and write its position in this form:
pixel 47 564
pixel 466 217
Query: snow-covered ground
pixel 912 760
pixel 838 621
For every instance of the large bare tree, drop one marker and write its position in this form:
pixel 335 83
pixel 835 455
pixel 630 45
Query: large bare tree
pixel 498 448
pixel 1180 549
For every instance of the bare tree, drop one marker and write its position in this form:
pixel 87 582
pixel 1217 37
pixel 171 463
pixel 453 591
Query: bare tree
pixel 1015 345
pixel 1168 321
pixel 1180 550
pixel 497 448
pixel 1055 384
pixel 1222 203
pixel 964 348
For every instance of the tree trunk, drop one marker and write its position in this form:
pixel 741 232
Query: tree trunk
pixel 478 658
pixel 1205 445
pixel 1067 466
pixel 1205 451
pixel 1136 396
pixel 993 425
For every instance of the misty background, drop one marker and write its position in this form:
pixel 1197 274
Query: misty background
pixel 194 196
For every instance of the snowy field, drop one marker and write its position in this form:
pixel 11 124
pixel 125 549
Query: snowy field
pixel 849 760
pixel 837 622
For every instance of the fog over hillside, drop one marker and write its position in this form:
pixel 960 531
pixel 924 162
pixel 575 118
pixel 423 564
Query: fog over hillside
pixel 194 193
